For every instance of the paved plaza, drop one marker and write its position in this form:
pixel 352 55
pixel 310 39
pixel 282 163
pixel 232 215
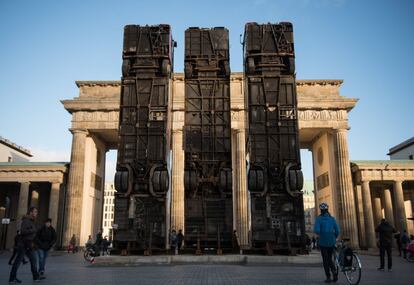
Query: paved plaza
pixel 71 269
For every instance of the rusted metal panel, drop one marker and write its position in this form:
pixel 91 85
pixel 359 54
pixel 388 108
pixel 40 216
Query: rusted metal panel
pixel 274 178
pixel 208 199
pixel 142 175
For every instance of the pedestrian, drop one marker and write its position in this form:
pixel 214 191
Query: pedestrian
pixel 308 242
pixel 17 237
pixel 180 239
pixel 173 241
pixel 89 242
pixel 105 245
pixel 235 242
pixel 327 230
pixel 405 240
pixel 397 237
pixel 45 239
pixel 98 242
pixel 313 242
pixel 26 246
pixel 72 244
pixel 385 231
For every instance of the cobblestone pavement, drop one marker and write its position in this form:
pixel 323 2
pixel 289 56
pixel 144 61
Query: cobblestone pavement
pixel 71 269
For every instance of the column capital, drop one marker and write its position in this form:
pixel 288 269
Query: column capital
pixel 76 130
pixel 398 180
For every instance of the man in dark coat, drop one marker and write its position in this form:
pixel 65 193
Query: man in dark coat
pixel 45 239
pixel 26 247
pixel 15 248
pixel 385 232
pixel 180 239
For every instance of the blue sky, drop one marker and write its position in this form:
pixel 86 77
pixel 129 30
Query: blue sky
pixel 46 45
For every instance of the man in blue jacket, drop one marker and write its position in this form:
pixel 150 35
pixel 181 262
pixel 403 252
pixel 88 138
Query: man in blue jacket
pixel 327 229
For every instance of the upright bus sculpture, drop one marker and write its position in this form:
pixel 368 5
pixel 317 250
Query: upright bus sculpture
pixel 142 178
pixel 207 178
pixel 274 177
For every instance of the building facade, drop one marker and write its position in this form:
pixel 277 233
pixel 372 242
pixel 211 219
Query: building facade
pixel 108 209
pixel 11 152
pixel 27 184
pixel 402 151
pixel 383 189
pixel 309 206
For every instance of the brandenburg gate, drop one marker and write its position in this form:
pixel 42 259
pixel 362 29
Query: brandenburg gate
pixel 323 124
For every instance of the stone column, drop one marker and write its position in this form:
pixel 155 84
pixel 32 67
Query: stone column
pixel 401 219
pixel 23 200
pixel 54 203
pixel 177 195
pixel 240 194
pixel 388 210
pixel 368 217
pixel 377 210
pixel 360 217
pixel 346 202
pixel 75 186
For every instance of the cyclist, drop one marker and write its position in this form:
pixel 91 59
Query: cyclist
pixel 327 229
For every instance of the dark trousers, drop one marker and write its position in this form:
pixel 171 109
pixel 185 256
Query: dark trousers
pixel 31 254
pixel 328 263
pixel 383 249
pixel 15 249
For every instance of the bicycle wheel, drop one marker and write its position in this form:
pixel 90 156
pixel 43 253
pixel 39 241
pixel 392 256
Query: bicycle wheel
pixel 353 272
pixel 88 255
pixel 336 261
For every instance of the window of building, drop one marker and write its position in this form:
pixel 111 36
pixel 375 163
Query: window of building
pixel 9 159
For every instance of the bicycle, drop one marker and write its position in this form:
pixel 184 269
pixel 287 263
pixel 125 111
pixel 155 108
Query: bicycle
pixel 347 261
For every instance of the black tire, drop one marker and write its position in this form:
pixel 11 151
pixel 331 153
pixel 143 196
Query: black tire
pixel 299 180
pixel 117 181
pixel 164 181
pixel 260 180
pixel 190 180
pixel 252 180
pixel 225 180
pixel 156 181
pixel 292 180
pixel 229 180
pixel 353 276
pixel 335 257
pixel 124 181
pixel 88 255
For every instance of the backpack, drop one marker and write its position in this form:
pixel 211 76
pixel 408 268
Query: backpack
pixel 347 257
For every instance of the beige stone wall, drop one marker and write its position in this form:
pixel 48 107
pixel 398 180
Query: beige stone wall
pixel 94 182
pixel 324 166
